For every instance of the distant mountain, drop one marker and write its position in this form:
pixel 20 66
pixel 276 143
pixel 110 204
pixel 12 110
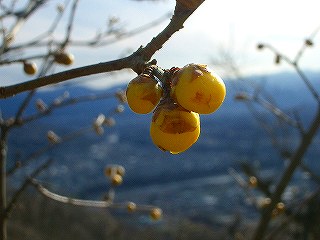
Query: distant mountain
pixel 195 179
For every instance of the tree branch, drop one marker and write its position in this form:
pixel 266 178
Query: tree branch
pixel 136 61
pixel 85 203
pixel 286 177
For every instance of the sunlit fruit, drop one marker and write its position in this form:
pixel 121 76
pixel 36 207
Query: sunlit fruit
pixel 64 58
pixel 30 68
pixel 197 89
pixel 156 213
pixel 174 128
pixel 143 94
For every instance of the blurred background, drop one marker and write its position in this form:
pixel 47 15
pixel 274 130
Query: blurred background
pixel 204 192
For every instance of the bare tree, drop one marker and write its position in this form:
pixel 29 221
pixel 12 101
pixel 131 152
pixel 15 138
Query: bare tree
pixel 51 53
pixel 294 155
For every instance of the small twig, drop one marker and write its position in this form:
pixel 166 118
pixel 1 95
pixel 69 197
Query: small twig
pixel 21 60
pixel 107 40
pixel 84 203
pixel 49 146
pixel 62 139
pixel 304 46
pixel 297 69
pixel 276 111
pixel 65 103
pixel 286 177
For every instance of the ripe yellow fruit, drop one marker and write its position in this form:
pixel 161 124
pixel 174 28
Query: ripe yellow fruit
pixel 197 89
pixel 174 128
pixel 156 213
pixel 143 94
pixel 64 58
pixel 30 68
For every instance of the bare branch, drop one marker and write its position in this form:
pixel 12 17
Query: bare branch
pixel 85 203
pixel 286 177
pixel 136 61
pixel 296 67
pixel 290 218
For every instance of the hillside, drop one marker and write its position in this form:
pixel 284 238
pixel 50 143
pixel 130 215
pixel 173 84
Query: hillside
pixel 194 184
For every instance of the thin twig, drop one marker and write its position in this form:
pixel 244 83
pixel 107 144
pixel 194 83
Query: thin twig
pixel 304 46
pixel 296 67
pixel 65 103
pixel 85 203
pixel 62 139
pixel 286 177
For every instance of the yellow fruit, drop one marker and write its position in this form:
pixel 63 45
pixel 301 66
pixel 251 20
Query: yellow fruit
pixel 30 68
pixel 143 94
pixel 174 128
pixel 64 58
pixel 197 89
pixel 156 213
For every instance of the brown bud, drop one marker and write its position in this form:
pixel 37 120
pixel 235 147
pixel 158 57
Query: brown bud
pixel 110 121
pixel 277 59
pixel 308 42
pixel 60 8
pixel 64 58
pixel 53 137
pixel 99 120
pixel 116 180
pixel 120 108
pixel 131 207
pixel 98 130
pixel 30 68
pixel 121 95
pixel 260 46
pixel 41 106
pixel 120 170
pixel 156 213
pixel 253 182
pixel 241 97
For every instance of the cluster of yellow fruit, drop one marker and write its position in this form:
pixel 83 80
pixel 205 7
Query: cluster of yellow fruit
pixel 178 99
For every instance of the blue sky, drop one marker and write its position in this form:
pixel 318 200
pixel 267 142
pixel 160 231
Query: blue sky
pixel 229 25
